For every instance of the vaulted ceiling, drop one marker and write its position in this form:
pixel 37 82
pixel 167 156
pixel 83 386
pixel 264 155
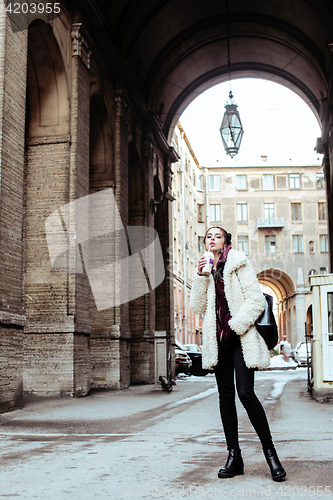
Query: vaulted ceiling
pixel 178 48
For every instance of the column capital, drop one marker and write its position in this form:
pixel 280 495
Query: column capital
pixel 81 43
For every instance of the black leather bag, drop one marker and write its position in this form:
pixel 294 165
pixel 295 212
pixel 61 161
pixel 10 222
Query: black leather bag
pixel 266 324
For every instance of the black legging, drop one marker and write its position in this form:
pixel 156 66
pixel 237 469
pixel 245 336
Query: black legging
pixel 231 360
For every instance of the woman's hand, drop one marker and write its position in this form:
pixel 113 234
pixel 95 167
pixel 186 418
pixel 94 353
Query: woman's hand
pixel 201 264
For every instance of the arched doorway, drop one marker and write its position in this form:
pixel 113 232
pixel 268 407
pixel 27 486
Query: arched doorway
pixel 289 310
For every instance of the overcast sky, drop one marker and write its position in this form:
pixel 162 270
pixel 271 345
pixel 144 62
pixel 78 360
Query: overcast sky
pixel 277 124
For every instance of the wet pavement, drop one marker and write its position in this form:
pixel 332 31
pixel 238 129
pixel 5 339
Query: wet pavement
pixel 146 443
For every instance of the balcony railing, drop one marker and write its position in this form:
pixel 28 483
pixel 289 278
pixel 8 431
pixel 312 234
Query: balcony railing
pixel 263 222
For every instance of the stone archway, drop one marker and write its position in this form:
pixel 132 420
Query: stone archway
pixel 288 43
pixel 291 303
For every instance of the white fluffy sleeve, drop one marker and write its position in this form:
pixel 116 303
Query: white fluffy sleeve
pixel 198 296
pixel 249 309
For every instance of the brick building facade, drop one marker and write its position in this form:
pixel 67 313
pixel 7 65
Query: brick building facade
pixel 71 126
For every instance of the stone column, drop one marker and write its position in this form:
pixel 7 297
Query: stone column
pixel 57 330
pixel 164 304
pixel 79 288
pixel 142 310
pixel 13 64
pixel 121 314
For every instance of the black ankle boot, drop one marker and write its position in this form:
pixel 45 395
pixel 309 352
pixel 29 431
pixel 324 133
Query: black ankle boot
pixel 278 472
pixel 234 465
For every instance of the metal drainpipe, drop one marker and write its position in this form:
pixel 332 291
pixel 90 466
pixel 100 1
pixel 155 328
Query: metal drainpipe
pixel 184 253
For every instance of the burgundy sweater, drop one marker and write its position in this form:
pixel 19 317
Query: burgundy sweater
pixel 224 333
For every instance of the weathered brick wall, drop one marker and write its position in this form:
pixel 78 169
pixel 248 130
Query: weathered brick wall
pixel 13 53
pixel 46 190
pixel 49 361
pixel 11 368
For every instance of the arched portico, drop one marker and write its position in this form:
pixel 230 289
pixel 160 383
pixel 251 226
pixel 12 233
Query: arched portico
pixel 290 43
pixel 292 303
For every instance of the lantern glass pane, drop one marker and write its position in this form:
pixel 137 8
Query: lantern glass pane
pixel 231 130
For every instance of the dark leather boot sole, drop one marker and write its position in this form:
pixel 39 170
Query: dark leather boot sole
pixel 279 477
pixel 228 474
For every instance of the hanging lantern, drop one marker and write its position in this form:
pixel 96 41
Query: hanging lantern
pixel 231 129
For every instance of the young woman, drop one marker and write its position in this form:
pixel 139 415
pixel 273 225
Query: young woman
pixel 231 301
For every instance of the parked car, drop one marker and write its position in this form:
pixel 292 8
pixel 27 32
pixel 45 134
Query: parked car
pixel 301 354
pixel 195 353
pixel 183 361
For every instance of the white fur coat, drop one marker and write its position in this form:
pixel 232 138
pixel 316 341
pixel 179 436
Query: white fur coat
pixel 246 302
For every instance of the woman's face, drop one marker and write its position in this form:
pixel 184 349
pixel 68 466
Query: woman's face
pixel 214 240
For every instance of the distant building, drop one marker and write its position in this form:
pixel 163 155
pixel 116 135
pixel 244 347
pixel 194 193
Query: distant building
pixel 277 216
pixel 189 226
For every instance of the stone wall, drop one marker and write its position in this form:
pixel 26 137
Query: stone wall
pixel 13 62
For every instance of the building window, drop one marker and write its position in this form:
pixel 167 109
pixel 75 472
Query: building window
pixel 322 214
pixel 268 182
pixel 242 212
pixel 243 244
pixel 241 182
pixel 200 213
pixel 298 243
pixel 200 182
pixel 323 243
pixel 214 183
pixel 294 181
pixel 270 244
pixel 311 247
pixel 296 211
pixel 200 244
pixel 269 212
pixel 313 272
pixel 320 181
pixel 215 213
